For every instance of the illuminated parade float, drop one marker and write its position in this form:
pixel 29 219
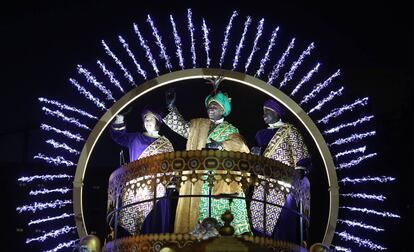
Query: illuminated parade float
pixel 225 190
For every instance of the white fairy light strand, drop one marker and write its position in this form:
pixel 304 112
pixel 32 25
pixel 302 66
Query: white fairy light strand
pixel 158 38
pixel 132 56
pixel 177 41
pixel 147 50
pixel 53 234
pixel 266 57
pixel 276 68
pixel 64 146
pixel 355 161
pixel 59 217
pixel 41 206
pixel 191 30
pixel 352 151
pixel 88 95
pixel 92 79
pixel 353 138
pixel 370 211
pixel 66 107
pixel 44 177
pixel 318 88
pixel 355 223
pixel 327 99
pixel 305 79
pixel 63 190
pixel 62 245
pixel 346 125
pixel 206 43
pixel 360 241
pixel 66 133
pixel 127 74
pixel 255 48
pixel 347 107
pixel 382 179
pixel 241 43
pixel 364 196
pixel 110 75
pixel 339 248
pixel 296 64
pixel 62 116
pixel 59 160
pixel 226 37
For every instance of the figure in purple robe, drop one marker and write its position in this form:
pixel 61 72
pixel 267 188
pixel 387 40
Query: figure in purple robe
pixel 143 217
pixel 282 142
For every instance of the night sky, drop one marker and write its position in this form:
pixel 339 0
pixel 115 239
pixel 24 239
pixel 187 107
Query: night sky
pixel 42 43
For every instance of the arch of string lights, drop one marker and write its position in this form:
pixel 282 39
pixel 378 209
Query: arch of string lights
pixel 257 51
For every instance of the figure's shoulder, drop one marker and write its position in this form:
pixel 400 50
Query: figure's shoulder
pixel 229 126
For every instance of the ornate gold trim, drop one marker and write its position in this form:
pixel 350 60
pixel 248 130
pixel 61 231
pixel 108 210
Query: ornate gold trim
pixel 199 73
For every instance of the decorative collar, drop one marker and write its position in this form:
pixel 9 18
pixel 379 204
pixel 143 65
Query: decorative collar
pixel 153 134
pixel 218 121
pixel 275 125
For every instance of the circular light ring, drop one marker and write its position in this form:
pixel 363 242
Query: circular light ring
pixel 199 73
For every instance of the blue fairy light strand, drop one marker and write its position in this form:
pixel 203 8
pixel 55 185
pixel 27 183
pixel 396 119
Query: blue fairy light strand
pixel 53 234
pixel 62 116
pixel 41 205
pixel 327 99
pixel 266 57
pixel 281 63
pixel 43 191
pixel 43 220
pixel 255 48
pixel 158 40
pixel 59 160
pixel 46 177
pixel 339 111
pixel 355 161
pixel 296 64
pixel 66 133
pixel 352 151
pixel 132 56
pixel 226 37
pixel 360 241
pixel 127 74
pixel 177 41
pixel 66 107
pixel 352 138
pixel 206 43
pixel 92 79
pixel 241 43
pixel 371 211
pixel 364 196
pixel 355 223
pixel 382 179
pixel 190 26
pixel 347 125
pixel 319 87
pixel 64 146
pixel 110 75
pixel 305 79
pixel 88 95
pixel 147 50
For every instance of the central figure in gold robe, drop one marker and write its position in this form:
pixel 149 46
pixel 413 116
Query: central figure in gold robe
pixel 212 133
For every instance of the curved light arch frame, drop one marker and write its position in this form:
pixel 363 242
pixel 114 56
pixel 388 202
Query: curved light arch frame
pixel 199 73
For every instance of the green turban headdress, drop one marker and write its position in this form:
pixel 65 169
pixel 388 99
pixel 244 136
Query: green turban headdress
pixel 222 100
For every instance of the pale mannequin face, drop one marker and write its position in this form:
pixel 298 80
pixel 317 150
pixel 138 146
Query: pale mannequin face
pixel 215 111
pixel 151 123
pixel 270 116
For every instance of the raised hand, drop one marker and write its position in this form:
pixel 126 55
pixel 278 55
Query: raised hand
pixel 170 98
pixel 214 145
pixel 119 119
pixel 256 150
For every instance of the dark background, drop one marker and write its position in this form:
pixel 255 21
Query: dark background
pixel 42 42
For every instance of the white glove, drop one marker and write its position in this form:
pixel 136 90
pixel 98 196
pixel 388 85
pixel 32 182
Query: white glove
pixel 119 119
